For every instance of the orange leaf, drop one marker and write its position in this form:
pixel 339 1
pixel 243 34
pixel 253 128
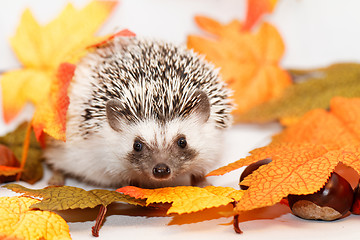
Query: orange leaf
pixel 303 155
pixel 249 62
pixel 255 10
pixel 185 199
pixel 50 117
pixel 9 171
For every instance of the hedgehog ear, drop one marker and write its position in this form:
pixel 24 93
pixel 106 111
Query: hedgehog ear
pixel 202 107
pixel 113 114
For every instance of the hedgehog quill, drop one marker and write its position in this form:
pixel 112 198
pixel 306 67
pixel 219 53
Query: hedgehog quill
pixel 142 112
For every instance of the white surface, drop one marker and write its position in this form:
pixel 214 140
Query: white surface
pixel 316 33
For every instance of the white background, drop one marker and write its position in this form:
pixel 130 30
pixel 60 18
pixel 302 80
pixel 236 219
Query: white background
pixel 316 33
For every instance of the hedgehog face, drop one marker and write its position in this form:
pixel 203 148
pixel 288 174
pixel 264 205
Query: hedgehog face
pixel 160 156
pixel 159 153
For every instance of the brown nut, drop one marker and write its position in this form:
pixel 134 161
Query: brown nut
pixel 355 208
pixel 331 202
pixel 250 169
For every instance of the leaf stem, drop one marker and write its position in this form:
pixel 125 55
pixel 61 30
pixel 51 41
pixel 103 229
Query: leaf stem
pixel 99 221
pixel 236 221
pixel 25 149
pixel 236 224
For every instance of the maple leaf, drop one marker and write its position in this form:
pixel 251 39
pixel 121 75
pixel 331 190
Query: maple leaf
pixel 32 169
pixel 41 49
pixel 9 165
pixel 314 89
pixel 51 117
pixel 303 155
pixel 249 62
pixel 66 197
pixel 19 221
pixel 185 199
pixel 8 171
pixel 255 10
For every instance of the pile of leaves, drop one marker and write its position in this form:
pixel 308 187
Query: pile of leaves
pixel 320 107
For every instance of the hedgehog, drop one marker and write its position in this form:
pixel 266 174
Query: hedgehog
pixel 142 112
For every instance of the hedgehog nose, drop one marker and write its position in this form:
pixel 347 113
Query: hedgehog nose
pixel 161 170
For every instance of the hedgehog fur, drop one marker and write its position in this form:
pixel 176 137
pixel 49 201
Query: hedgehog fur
pixel 151 93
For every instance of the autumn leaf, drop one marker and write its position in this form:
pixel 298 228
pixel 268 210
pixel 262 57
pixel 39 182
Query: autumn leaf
pixel 185 199
pixel 314 89
pixel 122 33
pixel 9 165
pixel 19 221
pixel 8 171
pixel 41 49
pixel 67 197
pixel 255 10
pixel 33 169
pixel 50 117
pixel 249 62
pixel 303 155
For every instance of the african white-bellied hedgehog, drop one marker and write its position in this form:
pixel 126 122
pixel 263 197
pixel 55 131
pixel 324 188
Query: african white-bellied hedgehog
pixel 144 113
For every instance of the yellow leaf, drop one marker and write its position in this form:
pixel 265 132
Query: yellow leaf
pixel 21 86
pixel 185 199
pixel 61 40
pixel 41 49
pixel 18 221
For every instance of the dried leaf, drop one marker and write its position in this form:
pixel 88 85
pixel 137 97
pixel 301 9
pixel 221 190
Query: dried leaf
pixel 185 199
pixel 249 62
pixel 19 221
pixel 67 197
pixel 8 171
pixel 303 155
pixel 9 165
pixel 314 89
pixel 255 10
pixel 41 49
pixel 33 169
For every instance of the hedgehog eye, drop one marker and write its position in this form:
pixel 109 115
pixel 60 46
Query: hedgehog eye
pixel 182 142
pixel 137 146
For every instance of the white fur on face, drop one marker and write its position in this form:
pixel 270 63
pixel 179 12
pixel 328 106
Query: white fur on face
pixel 102 160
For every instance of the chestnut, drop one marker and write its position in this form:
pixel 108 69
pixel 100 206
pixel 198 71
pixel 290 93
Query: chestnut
pixel 250 169
pixel 355 208
pixel 331 202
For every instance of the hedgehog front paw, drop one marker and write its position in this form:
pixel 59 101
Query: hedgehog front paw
pixel 57 179
pixel 199 181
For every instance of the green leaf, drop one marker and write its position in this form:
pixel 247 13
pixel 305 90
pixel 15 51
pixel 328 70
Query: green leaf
pixel 67 197
pixel 313 89
pixel 33 169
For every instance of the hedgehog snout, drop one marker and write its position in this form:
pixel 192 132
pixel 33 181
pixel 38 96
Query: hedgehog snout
pixel 161 171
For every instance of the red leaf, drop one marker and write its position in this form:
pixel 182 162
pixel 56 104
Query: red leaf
pixel 255 10
pixel 122 33
pixel 51 116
